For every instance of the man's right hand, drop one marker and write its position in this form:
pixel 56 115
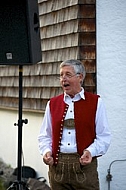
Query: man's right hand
pixel 48 159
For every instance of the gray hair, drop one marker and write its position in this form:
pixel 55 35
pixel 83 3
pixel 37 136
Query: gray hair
pixel 76 64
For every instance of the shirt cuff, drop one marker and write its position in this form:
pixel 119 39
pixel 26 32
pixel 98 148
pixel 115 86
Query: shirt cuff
pixel 45 151
pixel 93 154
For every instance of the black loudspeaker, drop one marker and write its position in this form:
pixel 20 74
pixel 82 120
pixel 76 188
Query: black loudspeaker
pixel 20 42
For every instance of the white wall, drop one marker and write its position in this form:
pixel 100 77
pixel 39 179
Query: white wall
pixel 9 140
pixel 111 85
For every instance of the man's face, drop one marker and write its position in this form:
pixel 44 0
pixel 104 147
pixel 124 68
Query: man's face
pixel 70 81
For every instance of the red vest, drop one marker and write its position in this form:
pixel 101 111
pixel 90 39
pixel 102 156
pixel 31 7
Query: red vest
pixel 84 118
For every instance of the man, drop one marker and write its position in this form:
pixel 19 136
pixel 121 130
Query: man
pixel 74 133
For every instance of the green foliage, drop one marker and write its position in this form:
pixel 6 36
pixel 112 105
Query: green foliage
pixel 1 185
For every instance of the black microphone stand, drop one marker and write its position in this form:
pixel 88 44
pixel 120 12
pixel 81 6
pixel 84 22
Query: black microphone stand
pixel 19 184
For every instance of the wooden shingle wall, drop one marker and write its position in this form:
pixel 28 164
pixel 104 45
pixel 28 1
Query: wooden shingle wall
pixel 68 31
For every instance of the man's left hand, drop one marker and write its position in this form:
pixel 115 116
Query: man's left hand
pixel 86 158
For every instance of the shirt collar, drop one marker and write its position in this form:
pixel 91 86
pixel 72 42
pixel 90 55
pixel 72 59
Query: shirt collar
pixel 77 96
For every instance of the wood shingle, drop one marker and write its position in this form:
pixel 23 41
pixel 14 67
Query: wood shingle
pixel 68 31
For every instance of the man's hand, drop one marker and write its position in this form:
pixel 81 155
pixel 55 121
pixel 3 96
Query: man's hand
pixel 48 159
pixel 86 158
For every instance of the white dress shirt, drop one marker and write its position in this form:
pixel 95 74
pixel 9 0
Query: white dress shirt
pixel 68 141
